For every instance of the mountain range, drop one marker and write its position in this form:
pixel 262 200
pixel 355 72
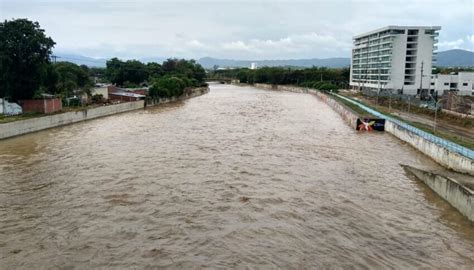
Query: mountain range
pixel 449 58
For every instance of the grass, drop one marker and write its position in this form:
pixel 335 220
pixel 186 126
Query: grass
pixel 7 119
pixel 448 136
pixel 466 142
pixel 358 110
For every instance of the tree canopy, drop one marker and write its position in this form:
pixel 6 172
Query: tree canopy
pixel 316 77
pixel 25 53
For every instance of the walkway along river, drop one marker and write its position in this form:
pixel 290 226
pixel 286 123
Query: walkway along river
pixel 239 177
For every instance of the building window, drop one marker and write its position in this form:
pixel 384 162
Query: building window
pixel 464 84
pixel 446 83
pixel 432 83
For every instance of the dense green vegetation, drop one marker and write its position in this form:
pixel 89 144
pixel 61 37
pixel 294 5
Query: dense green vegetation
pixel 26 69
pixel 24 58
pixel 317 77
pixel 166 80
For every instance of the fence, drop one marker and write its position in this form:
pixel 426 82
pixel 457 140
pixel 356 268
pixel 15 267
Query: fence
pixel 430 137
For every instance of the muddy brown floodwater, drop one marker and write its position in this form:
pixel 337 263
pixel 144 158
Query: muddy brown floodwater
pixel 237 178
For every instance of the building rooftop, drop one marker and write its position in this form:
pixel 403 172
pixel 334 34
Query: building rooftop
pixel 396 27
pixel 127 94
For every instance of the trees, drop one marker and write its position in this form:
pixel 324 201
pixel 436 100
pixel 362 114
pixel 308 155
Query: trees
pixel 310 77
pixel 72 77
pixel 25 51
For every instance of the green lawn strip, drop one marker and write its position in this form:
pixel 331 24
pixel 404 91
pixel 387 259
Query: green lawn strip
pixel 7 119
pixel 466 142
pixel 358 110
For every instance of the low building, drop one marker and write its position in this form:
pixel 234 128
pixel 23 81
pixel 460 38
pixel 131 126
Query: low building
pixel 48 104
pixel 125 96
pixel 461 83
pixel 101 90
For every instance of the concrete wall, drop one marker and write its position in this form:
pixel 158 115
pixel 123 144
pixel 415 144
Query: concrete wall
pixel 438 153
pixel 449 189
pixel 443 156
pixel 347 114
pixel 39 123
pixel 194 92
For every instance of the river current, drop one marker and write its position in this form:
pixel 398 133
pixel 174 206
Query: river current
pixel 236 178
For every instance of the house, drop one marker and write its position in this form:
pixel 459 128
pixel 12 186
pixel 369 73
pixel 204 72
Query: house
pixel 125 96
pixel 49 104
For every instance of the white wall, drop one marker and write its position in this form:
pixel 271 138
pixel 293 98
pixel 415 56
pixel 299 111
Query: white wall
pixel 39 123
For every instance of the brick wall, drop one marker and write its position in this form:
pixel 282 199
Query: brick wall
pixel 41 105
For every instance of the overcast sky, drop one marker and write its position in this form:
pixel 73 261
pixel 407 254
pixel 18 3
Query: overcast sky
pixel 233 28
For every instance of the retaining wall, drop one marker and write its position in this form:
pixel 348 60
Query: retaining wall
pixel 39 123
pixel 192 93
pixel 349 116
pixel 442 155
pixel 449 189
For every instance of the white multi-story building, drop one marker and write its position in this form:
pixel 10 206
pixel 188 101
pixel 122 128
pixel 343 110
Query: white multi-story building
pixel 461 83
pixel 253 66
pixel 396 58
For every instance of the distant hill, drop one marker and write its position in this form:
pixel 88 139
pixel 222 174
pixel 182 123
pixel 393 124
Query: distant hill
pixel 97 62
pixel 209 62
pixel 81 60
pixel 450 58
pixel 455 58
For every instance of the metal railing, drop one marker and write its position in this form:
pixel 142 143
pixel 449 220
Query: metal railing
pixel 454 147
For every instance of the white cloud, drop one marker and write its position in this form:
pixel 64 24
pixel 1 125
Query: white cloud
pixel 233 28
pixel 447 45
pixel 470 38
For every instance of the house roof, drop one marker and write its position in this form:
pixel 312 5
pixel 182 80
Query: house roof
pixel 127 94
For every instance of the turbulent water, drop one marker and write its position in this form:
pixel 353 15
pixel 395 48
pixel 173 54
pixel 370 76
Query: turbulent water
pixel 237 178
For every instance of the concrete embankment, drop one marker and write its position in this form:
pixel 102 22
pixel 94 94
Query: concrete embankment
pixel 438 153
pixel 440 150
pixel 457 194
pixel 348 115
pixel 49 121
pixel 21 127
pixel 195 92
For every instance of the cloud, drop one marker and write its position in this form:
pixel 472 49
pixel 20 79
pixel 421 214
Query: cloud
pixel 470 38
pixel 447 45
pixel 232 28
pixel 298 45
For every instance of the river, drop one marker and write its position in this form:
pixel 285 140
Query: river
pixel 237 178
